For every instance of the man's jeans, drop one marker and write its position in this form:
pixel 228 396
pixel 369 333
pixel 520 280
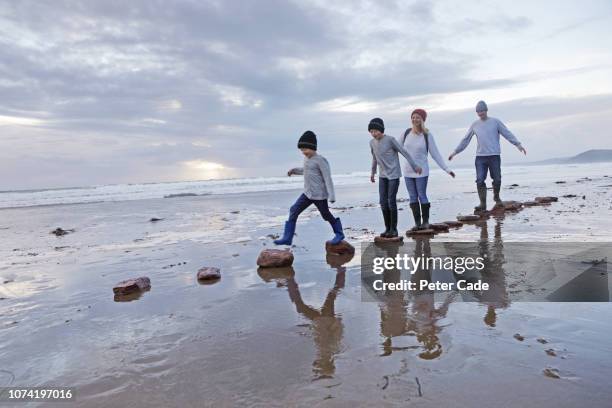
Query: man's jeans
pixel 491 164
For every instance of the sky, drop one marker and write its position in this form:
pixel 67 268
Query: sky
pixel 103 92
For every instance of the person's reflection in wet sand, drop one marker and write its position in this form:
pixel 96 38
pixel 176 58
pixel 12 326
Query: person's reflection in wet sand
pixel 493 273
pixel 327 327
pixel 419 318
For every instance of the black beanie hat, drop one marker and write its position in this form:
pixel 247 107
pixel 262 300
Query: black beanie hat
pixel 378 124
pixel 308 140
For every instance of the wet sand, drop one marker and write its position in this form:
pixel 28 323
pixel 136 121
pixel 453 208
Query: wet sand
pixel 299 336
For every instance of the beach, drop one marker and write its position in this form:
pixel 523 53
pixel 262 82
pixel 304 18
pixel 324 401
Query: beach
pixel 297 336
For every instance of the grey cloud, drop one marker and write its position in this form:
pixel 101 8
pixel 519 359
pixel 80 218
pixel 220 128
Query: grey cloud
pixel 110 70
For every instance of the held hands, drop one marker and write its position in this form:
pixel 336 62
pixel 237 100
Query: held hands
pixel 418 170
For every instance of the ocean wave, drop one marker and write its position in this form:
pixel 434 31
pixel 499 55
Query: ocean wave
pixel 143 191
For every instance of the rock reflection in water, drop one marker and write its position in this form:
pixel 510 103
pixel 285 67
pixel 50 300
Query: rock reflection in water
pixel 325 324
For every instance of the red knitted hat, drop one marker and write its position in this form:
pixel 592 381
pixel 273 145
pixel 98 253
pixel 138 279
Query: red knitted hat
pixel 421 113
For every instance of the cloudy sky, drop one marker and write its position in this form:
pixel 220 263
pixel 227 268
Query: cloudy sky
pixel 97 92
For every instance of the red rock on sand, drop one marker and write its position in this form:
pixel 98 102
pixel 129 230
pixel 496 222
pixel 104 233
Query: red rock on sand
pixel 209 273
pixel 381 240
pixel 129 286
pixel 512 205
pixel 468 218
pixel 275 258
pixel 340 249
pixel 439 227
pixel 548 199
pixel 507 206
pixel 454 224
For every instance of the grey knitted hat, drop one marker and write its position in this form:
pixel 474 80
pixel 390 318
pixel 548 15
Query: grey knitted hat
pixel 481 106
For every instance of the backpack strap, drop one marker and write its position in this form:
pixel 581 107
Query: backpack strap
pixel 406 134
pixel 426 135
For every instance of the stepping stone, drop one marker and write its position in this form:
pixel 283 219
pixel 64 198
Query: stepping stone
pixel 441 227
pixel 468 218
pixel 547 199
pixel 530 203
pixel 59 232
pixel 209 273
pixel 381 240
pixel 421 232
pixel 551 372
pixel 512 205
pixel 482 213
pixel 454 224
pixel 339 249
pixel 275 258
pixel 507 206
pixel 129 286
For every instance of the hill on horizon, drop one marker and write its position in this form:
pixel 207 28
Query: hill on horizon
pixel 588 156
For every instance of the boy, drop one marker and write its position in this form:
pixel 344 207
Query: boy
pixel 487 131
pixel 318 189
pixel 385 156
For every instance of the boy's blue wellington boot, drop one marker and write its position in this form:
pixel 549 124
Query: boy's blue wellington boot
pixel 287 238
pixel 337 227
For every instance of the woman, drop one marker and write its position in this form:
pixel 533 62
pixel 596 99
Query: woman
pixel 419 142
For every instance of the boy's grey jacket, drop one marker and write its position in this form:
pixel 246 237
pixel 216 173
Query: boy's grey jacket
pixel 487 134
pixel 385 157
pixel 318 184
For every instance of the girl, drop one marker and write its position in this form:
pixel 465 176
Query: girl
pixel 419 142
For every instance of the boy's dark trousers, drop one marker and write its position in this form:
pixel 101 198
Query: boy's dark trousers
pixel 304 202
pixel 387 193
pixel 296 209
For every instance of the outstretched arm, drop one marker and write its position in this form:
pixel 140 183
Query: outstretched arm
pixel 463 143
pixel 399 148
pixel 509 136
pixel 374 166
pixel 296 170
pixel 435 154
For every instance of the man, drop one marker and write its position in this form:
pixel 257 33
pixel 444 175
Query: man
pixel 487 131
